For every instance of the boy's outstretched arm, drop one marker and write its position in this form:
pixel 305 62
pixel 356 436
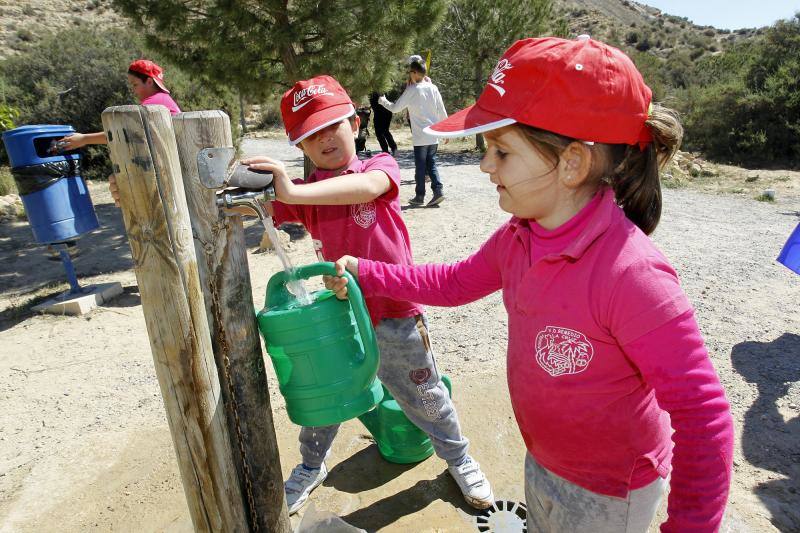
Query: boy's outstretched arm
pixel 341 190
pixel 79 140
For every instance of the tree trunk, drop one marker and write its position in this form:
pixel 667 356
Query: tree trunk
pixel 242 119
pixel 480 142
pixel 479 80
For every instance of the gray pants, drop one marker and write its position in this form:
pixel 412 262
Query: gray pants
pixel 555 505
pixel 408 370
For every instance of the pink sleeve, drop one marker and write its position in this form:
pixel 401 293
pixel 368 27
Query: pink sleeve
pixel 674 361
pixel 282 212
pixel 388 165
pixel 435 284
pixel 646 296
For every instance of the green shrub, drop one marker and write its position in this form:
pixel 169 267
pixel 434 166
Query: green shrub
pixel 8 116
pixel 765 198
pixel 26 35
pixel 7 185
pixel 72 76
pixel 744 105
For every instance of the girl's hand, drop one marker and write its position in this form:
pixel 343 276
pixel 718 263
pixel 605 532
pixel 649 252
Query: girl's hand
pixel 72 142
pixel 113 189
pixel 280 180
pixel 339 284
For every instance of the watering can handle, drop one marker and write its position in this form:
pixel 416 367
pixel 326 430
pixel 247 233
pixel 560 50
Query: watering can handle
pixel 277 294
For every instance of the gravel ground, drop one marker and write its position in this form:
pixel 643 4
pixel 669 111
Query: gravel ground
pixel 84 444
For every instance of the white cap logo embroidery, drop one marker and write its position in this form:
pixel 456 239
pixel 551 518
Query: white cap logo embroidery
pixel 304 96
pixel 498 77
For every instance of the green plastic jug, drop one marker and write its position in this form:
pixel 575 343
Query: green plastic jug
pixel 398 439
pixel 325 354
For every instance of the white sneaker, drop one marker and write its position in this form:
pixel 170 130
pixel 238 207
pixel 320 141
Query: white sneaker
pixel 300 484
pixel 473 484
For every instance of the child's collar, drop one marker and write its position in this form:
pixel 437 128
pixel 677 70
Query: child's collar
pixel 597 226
pixel 347 169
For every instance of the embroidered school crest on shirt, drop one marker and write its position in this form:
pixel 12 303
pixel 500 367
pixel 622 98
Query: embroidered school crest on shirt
pixel 363 214
pixel 561 351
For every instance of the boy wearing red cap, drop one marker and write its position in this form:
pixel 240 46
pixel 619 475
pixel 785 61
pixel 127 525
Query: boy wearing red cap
pixel 610 380
pixel 146 80
pixel 352 206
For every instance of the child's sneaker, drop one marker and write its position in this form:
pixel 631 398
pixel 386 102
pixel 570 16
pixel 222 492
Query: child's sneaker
pixel 300 484
pixel 473 484
pixel 417 200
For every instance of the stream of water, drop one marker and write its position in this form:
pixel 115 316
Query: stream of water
pixel 295 286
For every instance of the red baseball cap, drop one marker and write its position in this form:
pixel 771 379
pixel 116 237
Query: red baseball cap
pixel 312 105
pixel 148 68
pixel 580 88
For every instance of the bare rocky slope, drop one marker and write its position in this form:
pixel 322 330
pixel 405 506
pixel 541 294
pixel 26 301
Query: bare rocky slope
pixel 25 21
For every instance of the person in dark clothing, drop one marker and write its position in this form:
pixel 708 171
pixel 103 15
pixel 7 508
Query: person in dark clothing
pixel 381 119
pixel 361 139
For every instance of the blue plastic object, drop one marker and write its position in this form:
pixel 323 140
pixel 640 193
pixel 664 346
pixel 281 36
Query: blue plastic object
pixel 790 255
pixel 63 210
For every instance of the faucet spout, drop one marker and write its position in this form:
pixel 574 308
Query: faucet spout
pixel 247 198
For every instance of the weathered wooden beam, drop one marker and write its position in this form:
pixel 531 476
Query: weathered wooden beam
pixel 225 280
pixel 145 158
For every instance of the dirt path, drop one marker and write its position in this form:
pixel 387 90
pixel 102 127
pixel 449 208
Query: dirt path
pixel 84 444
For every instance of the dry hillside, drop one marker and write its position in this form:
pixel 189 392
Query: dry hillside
pixel 646 28
pixel 25 21
pixel 618 21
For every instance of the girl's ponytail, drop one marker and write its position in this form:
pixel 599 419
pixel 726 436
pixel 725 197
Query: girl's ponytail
pixel 634 175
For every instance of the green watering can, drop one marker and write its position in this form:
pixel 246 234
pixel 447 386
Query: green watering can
pixel 398 439
pixel 325 354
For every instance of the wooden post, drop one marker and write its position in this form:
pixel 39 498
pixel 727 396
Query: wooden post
pixel 225 279
pixel 145 159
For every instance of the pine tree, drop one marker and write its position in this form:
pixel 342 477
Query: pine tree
pixel 260 47
pixel 472 37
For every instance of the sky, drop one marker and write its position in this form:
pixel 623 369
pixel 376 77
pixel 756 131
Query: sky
pixel 730 14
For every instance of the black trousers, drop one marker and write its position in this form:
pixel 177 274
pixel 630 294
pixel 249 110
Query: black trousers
pixel 384 136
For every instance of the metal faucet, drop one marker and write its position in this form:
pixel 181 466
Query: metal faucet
pixel 241 185
pixel 248 198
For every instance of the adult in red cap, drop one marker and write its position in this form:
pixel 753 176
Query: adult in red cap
pixel 146 80
pixel 608 374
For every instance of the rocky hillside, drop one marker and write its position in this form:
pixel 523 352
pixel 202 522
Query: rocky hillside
pixel 647 29
pixel 25 21
pixel 622 22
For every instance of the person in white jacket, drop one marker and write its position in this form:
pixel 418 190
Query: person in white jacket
pixel 425 107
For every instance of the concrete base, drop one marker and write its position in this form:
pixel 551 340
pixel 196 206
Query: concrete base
pixel 79 304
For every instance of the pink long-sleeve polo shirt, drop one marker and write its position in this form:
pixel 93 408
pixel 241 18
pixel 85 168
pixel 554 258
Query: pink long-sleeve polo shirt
pixel 374 229
pixel 605 358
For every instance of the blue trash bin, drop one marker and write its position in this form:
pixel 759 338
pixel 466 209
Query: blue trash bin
pixel 54 194
pixel 790 255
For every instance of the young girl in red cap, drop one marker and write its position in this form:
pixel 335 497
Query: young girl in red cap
pixel 609 378
pixel 146 80
pixel 352 206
